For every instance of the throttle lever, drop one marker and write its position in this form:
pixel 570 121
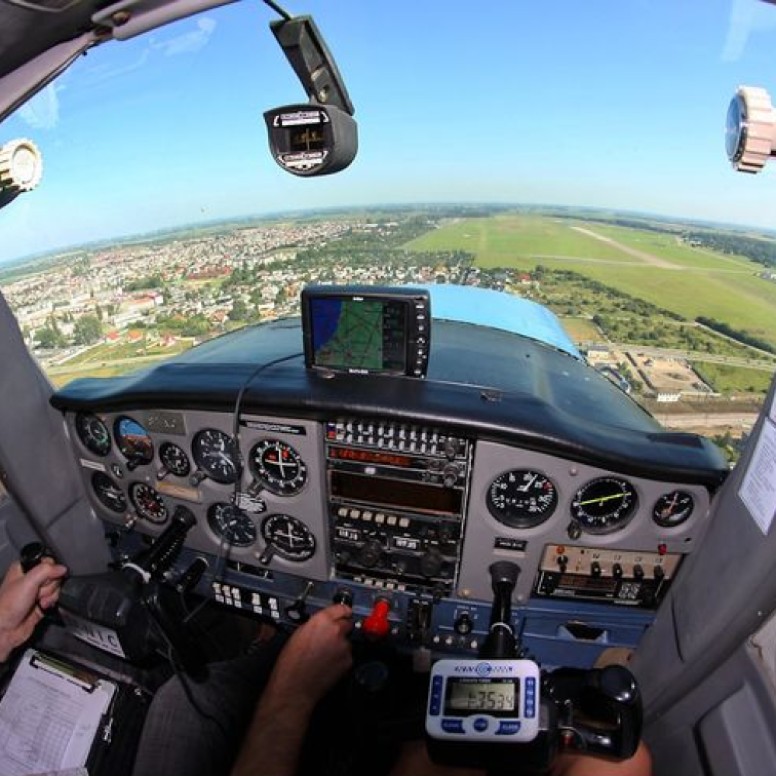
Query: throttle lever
pixel 32 554
pixel 500 641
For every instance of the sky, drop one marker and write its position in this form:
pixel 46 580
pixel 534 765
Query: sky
pixel 606 103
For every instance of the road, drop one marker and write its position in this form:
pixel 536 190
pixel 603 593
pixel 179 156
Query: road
pixel 707 420
pixel 687 355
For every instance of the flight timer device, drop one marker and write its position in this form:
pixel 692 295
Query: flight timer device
pixel 366 330
pixel 484 701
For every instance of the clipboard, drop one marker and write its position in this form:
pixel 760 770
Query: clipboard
pixel 51 715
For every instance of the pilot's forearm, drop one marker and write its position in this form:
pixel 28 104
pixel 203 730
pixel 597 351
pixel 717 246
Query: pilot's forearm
pixel 274 739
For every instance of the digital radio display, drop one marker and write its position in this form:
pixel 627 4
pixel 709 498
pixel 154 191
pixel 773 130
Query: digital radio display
pixel 369 456
pixel 402 494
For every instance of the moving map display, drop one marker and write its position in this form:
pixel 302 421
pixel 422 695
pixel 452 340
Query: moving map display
pixel 359 335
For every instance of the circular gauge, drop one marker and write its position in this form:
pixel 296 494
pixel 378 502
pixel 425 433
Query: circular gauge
pixel 109 494
pixel 521 498
pixel 290 538
pixel 147 502
pixel 213 452
pixel 174 459
pixel 673 508
pixel 232 524
pixel 279 467
pixel 133 441
pixel 93 433
pixel 604 505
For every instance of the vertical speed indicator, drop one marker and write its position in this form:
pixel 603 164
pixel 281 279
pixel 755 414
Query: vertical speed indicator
pixel 522 498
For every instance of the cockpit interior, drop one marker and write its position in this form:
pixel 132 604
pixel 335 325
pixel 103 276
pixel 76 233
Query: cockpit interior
pixel 440 458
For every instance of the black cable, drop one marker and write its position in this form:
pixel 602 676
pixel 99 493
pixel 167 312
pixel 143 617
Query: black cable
pixel 221 557
pixel 278 10
pixel 236 425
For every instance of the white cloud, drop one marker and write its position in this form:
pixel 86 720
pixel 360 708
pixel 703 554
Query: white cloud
pixel 103 72
pixel 746 16
pixel 42 111
pixel 188 42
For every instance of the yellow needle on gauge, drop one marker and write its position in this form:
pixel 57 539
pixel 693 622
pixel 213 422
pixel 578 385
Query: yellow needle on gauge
pixel 601 499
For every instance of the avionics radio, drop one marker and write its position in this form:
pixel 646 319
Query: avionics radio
pixel 397 498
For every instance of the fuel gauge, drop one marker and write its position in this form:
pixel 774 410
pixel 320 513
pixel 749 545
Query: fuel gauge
pixel 673 508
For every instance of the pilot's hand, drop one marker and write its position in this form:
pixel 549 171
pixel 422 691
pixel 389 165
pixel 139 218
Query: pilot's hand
pixel 23 600
pixel 316 656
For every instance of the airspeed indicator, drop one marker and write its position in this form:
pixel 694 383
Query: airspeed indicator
pixel 522 498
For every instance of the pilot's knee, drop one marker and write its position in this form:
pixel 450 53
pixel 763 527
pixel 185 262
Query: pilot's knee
pixel 584 765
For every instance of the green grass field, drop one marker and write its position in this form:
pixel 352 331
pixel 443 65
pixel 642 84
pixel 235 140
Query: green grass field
pixel 580 329
pixel 499 241
pixel 695 282
pixel 731 379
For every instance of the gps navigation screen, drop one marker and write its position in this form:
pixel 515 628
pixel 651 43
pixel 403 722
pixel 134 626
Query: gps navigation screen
pixel 357 335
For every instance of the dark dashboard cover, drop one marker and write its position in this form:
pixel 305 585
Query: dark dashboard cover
pixel 486 383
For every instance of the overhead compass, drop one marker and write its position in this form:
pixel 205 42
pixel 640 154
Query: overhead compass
pixel 232 524
pixel 278 467
pixel 289 537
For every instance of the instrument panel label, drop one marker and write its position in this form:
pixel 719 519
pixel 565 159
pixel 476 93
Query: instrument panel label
pixel 98 636
pixel 87 464
pixel 274 428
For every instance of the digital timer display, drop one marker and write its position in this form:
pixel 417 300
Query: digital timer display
pixel 481 695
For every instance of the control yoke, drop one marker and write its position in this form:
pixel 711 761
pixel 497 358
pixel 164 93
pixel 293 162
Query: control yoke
pixel 129 612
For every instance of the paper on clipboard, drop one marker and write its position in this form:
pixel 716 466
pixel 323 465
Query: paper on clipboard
pixel 49 716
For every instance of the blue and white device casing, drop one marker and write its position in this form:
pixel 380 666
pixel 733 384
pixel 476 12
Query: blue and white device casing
pixel 484 720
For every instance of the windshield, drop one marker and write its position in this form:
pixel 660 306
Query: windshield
pixel 571 154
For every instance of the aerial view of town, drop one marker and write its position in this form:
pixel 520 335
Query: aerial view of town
pixel 676 315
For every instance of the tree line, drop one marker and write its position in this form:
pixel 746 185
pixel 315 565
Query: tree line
pixel 740 336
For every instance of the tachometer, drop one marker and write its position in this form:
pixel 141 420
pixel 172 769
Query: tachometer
pixel 289 538
pixel 93 433
pixel 213 453
pixel 604 505
pixel 232 524
pixel 109 494
pixel 147 502
pixel 521 498
pixel 673 508
pixel 279 468
pixel 133 441
pixel 174 459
